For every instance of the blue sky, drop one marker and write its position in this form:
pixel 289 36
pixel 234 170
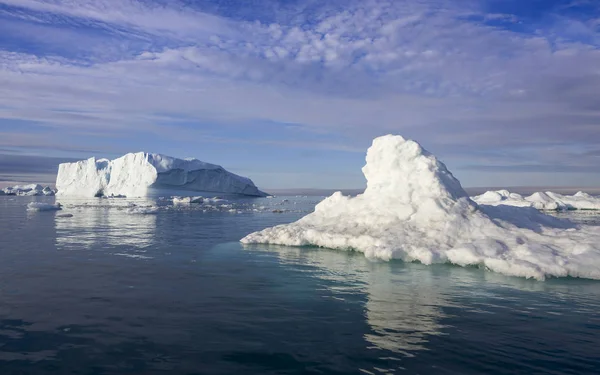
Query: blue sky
pixel 291 93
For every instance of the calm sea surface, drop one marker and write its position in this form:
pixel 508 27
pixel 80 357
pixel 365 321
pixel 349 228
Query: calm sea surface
pixel 112 291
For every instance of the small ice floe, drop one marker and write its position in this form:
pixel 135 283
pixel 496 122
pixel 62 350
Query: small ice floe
pixel 39 206
pixel 137 210
pixel 187 200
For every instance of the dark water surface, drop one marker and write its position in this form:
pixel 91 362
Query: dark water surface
pixel 108 291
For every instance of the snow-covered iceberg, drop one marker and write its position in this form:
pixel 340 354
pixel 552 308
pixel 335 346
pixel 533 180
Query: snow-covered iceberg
pixel 29 190
pixel 548 201
pixel 415 210
pixel 137 174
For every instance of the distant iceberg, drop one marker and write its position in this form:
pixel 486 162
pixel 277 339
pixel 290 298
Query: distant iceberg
pixel 28 190
pixel 547 201
pixel 138 174
pixel 415 210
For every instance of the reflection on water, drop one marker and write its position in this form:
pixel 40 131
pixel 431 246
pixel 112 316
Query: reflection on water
pixel 403 311
pixel 409 305
pixel 108 222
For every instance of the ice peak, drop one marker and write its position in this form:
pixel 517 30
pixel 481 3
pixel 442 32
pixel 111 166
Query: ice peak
pixel 403 169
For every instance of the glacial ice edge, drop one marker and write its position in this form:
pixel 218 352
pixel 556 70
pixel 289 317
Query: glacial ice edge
pixel 414 209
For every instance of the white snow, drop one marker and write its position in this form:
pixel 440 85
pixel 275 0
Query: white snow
pixel 187 200
pixel 136 174
pixel 39 206
pixel 28 190
pixel 415 210
pixel 540 200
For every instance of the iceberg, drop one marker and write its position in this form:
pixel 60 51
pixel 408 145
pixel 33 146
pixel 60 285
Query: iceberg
pixel 547 201
pixel 28 190
pixel 139 174
pixel 414 209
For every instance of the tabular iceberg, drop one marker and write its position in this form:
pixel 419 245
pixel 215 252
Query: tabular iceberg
pixel 415 210
pixel 137 174
pixel 542 201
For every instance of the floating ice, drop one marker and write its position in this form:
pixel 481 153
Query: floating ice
pixel 28 190
pixel 143 210
pixel 540 200
pixel 415 210
pixel 134 256
pixel 38 206
pixel 135 175
pixel 187 200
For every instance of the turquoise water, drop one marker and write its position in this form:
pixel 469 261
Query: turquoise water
pixel 107 291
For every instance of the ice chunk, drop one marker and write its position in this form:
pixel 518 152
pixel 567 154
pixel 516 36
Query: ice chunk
pixel 187 200
pixel 415 210
pixel 39 206
pixel 29 190
pixel 540 200
pixel 47 191
pixel 143 210
pixel 182 200
pixel 135 175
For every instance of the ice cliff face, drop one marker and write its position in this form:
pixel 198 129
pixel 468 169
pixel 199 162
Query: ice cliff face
pixel 137 174
pixel 415 210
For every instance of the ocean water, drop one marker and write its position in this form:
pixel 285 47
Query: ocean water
pixel 110 290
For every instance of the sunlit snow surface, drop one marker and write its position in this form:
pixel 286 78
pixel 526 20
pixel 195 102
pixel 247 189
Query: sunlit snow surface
pixel 145 174
pixel 415 210
pixel 548 201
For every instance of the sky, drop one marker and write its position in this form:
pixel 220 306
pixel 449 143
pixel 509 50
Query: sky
pixel 291 93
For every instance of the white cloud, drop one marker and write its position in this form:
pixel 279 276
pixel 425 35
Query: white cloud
pixel 153 18
pixel 414 67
